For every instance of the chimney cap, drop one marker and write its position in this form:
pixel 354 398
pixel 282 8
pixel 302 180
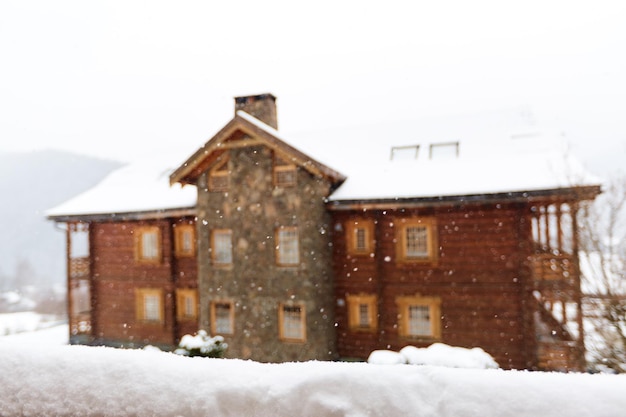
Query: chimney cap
pixel 254 97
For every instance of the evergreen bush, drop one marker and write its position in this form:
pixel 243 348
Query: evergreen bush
pixel 202 345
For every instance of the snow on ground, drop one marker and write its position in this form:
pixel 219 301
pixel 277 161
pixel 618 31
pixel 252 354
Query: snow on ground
pixel 437 354
pixel 32 327
pixel 52 336
pixel 88 381
pixel 26 321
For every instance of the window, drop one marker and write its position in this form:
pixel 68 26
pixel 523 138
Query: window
pixel 148 244
pixel 360 237
pixel 219 176
pixel 79 240
pixel 287 246
pixel 80 296
pixel 419 317
pixel 285 173
pixel 362 312
pixel 222 247
pixel 404 152
pixel 447 150
pixel 184 240
pixel 186 304
pixel 416 240
pixel 78 247
pixel 149 305
pixel 222 317
pixel 291 323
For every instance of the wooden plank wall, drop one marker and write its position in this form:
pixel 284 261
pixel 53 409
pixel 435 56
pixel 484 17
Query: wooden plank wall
pixel 116 276
pixel 479 276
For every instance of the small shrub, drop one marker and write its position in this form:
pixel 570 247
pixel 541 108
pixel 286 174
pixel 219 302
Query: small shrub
pixel 202 345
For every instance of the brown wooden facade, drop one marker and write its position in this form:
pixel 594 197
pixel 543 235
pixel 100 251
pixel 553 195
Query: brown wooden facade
pixel 504 277
pixel 496 271
pixel 108 283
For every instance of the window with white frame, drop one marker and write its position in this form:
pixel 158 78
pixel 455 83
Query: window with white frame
pixel 362 312
pixel 149 304
pixel 148 244
pixel 222 247
pixel 184 240
pixel 292 322
pixel 222 317
pixel 419 317
pixel 287 246
pixel 416 240
pixel 285 173
pixel 186 303
pixel 360 237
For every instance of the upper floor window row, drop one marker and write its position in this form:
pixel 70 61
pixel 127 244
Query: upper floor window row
pixel 149 243
pixel 415 237
pixel 284 174
pixel 287 249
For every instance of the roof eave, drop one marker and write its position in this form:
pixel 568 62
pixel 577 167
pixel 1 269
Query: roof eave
pixel 124 216
pixel 570 194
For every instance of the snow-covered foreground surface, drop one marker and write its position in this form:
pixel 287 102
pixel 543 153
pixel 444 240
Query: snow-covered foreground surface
pixel 87 381
pixel 55 335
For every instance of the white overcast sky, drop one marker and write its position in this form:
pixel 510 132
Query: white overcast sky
pixel 117 79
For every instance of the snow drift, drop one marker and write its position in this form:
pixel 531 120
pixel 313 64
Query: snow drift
pixel 438 354
pixel 89 381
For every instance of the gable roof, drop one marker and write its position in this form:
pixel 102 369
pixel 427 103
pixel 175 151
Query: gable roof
pixel 500 156
pixel 134 191
pixel 494 153
pixel 246 130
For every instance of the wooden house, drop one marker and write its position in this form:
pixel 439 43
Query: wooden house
pixel 330 245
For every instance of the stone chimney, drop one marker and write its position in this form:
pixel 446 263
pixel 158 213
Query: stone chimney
pixel 261 106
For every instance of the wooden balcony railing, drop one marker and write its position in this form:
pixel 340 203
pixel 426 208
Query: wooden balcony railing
pixel 549 267
pixel 80 324
pixel 561 356
pixel 79 268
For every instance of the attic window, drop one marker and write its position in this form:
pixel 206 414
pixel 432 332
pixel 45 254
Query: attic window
pixel 284 173
pixel 219 178
pixel 447 150
pixel 404 152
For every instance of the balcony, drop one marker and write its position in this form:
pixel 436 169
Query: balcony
pixel 79 268
pixel 550 267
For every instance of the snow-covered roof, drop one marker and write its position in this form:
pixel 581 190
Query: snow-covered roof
pixel 492 153
pixel 478 154
pixel 138 187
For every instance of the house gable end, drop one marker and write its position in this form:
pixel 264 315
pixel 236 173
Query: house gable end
pixel 245 131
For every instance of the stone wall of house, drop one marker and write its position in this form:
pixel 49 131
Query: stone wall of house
pixel 253 208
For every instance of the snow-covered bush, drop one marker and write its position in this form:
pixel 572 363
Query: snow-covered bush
pixel 437 354
pixel 202 345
